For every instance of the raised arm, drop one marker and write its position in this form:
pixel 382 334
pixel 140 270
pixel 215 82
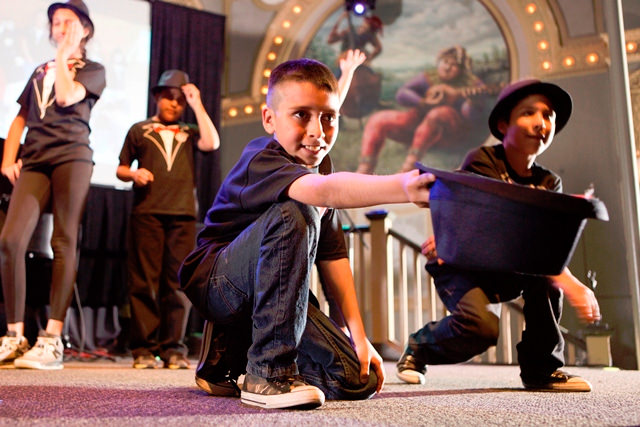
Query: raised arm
pixel 351 60
pixel 335 35
pixel 68 91
pixel 209 138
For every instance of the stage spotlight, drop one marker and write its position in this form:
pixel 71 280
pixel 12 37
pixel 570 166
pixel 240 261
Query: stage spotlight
pixel 359 7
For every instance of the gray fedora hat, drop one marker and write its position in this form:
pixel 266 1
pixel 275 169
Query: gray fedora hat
pixel 171 78
pixel 77 6
pixel 516 91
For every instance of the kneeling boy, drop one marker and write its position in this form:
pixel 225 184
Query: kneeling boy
pixel 273 218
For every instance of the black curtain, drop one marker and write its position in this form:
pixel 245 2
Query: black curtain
pixel 192 41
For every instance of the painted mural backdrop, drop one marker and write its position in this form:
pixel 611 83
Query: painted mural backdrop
pixel 432 74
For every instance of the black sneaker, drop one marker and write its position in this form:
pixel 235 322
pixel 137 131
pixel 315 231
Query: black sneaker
pixel 410 370
pixel 225 387
pixel 280 392
pixel 557 381
pixel 212 373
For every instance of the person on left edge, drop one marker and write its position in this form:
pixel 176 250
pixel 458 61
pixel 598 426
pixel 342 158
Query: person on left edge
pixel 54 170
pixel 162 225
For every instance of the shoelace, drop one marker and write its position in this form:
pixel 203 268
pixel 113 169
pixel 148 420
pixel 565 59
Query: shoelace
pixel 560 374
pixel 43 347
pixel 6 344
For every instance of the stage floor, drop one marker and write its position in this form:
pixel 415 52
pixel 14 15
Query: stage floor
pixel 113 393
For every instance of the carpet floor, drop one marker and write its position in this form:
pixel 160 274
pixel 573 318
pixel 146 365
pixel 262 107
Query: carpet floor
pixel 114 394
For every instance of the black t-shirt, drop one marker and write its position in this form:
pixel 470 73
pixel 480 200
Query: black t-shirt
pixel 491 161
pixel 59 134
pixel 261 178
pixel 173 186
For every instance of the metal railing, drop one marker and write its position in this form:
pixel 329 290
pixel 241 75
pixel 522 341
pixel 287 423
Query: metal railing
pixel 397 295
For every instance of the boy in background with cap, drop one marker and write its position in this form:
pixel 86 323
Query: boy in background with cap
pixel 162 225
pixel 525 118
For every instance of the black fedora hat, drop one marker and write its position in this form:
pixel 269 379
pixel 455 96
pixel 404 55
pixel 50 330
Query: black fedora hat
pixel 171 78
pixel 514 92
pixel 482 223
pixel 77 6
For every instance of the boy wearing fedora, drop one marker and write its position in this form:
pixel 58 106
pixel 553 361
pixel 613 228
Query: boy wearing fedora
pixel 162 224
pixel 526 117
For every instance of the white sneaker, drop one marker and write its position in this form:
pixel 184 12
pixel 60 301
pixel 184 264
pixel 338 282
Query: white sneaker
pixel 283 392
pixel 46 354
pixel 12 347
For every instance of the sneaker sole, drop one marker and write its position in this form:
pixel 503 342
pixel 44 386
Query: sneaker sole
pixel 303 398
pixel 560 388
pixel 225 389
pixel 144 366
pixel 29 364
pixel 411 377
pixel 178 366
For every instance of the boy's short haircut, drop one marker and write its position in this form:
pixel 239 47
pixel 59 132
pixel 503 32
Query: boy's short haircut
pixel 302 70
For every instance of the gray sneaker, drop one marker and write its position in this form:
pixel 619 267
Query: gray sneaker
pixel 280 392
pixel 46 354
pixel 12 347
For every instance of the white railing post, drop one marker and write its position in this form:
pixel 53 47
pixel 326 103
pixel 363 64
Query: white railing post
pixel 381 281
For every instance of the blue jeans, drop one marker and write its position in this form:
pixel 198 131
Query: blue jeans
pixel 263 275
pixel 473 325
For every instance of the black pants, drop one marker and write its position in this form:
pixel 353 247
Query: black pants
pixel 65 187
pixel 159 309
pixel 473 325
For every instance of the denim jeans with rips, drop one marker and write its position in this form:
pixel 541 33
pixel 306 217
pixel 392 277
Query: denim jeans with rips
pixel 258 298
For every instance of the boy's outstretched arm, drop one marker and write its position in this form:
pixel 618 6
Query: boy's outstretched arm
pixel 354 190
pixel 337 277
pixel 209 138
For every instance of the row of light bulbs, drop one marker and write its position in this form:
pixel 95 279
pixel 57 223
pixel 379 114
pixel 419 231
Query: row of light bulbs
pixel 538 26
pixel 568 61
pixel 250 109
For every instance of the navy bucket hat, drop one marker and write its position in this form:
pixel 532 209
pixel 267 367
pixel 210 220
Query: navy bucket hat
pixel 516 91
